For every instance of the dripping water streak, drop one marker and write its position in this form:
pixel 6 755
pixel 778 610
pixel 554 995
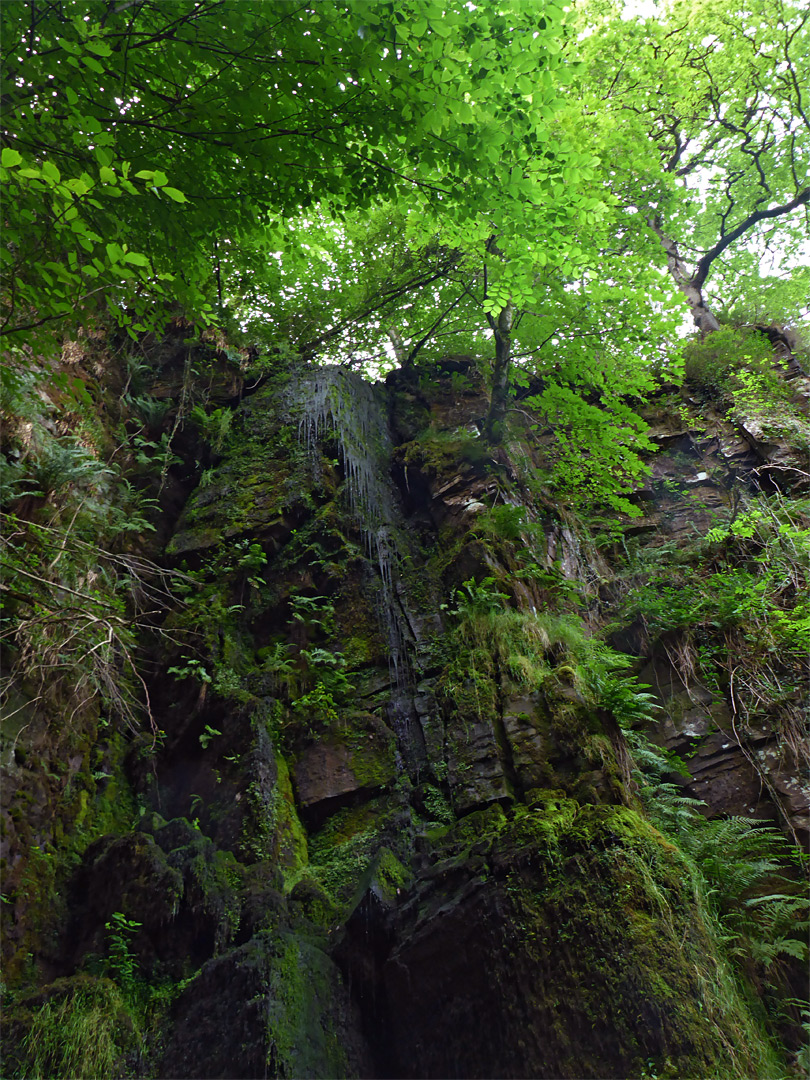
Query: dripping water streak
pixel 341 401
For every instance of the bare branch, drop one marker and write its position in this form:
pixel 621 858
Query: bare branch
pixel 704 265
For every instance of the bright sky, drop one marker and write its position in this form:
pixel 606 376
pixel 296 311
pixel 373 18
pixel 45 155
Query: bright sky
pixel 647 9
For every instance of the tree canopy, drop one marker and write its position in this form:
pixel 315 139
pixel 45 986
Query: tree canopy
pixel 553 188
pixel 706 109
pixel 140 136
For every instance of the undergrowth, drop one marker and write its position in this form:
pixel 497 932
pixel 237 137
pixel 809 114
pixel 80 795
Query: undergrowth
pixel 85 1033
pixel 74 598
pixel 748 879
pixel 732 610
pixel 735 367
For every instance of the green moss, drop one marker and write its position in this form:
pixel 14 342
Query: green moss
pixel 220 879
pixel 360 650
pixel 390 876
pixel 488 823
pixel 344 848
pixel 468 684
pixel 433 452
pixel 372 757
pixel 258 834
pixel 265 473
pixel 302 1029
pixel 291 836
pixel 270 827
pixel 436 805
pixel 54 823
pixel 605 909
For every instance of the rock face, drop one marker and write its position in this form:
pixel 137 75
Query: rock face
pixel 736 768
pixel 388 823
pixel 746 755
pixel 569 964
pixel 359 761
pixel 276 1006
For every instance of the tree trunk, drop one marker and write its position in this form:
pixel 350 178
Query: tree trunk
pixel 398 345
pixel 687 282
pixel 493 428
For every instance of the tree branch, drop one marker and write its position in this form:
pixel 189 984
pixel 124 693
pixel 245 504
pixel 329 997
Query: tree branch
pixel 704 264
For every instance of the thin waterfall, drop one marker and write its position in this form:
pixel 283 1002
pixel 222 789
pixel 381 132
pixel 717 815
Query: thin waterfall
pixel 341 401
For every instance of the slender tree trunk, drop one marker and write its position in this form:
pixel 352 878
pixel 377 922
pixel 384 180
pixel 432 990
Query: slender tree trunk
pixel 502 327
pixel 398 345
pixel 687 282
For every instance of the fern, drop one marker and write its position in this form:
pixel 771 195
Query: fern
pixel 739 866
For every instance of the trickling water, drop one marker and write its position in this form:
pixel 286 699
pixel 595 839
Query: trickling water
pixel 341 401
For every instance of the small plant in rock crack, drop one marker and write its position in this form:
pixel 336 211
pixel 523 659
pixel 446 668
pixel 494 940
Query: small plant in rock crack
pixel 121 963
pixel 213 426
pixel 475 598
pixel 209 734
pixel 626 698
pixel 191 667
pixel 314 612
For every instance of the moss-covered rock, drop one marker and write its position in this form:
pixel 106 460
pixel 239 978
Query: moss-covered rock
pixel 129 874
pixel 470 698
pixel 343 850
pixel 261 487
pixel 568 942
pixel 360 758
pixel 275 1006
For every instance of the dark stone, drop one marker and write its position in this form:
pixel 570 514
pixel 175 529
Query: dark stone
pixel 529 746
pixel 128 874
pixel 275 1006
pixel 456 363
pixel 361 758
pixel 541 949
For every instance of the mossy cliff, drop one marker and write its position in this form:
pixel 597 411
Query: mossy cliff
pixel 400 805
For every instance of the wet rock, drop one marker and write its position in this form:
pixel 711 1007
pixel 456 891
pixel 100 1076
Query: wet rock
pixel 275 1006
pixel 132 875
pixel 529 747
pixel 361 758
pixel 538 947
pixel 259 489
pixel 475 769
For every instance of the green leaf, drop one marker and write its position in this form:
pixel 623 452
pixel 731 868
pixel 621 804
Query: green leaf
pixel 107 175
pixel 100 48
pixel 174 194
pixel 50 172
pixel 136 259
pixel 10 158
pixel 77 186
